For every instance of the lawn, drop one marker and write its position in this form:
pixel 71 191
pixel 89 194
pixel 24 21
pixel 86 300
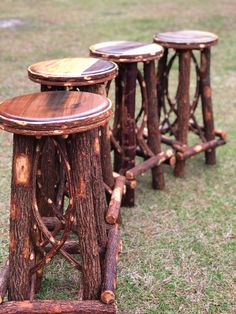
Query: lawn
pixel 179 250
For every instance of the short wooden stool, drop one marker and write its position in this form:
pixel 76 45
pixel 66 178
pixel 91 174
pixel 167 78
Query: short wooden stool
pixel 178 116
pixel 130 136
pixel 84 74
pixel 70 120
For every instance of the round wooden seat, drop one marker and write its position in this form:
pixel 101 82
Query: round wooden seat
pixel 72 71
pixel 186 39
pixel 126 51
pixel 54 113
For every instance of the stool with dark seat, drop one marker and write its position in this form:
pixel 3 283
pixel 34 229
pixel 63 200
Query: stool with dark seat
pixel 178 116
pixel 130 136
pixel 84 74
pixel 70 121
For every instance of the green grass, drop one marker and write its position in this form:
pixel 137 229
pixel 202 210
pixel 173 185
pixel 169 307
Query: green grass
pixel 179 251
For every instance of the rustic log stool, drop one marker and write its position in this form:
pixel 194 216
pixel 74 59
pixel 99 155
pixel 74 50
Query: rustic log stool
pixel 129 136
pixel 178 116
pixel 70 120
pixel 84 74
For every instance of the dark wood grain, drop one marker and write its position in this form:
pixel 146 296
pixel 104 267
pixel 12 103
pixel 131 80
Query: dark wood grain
pixel 54 113
pixel 126 51
pixel 72 71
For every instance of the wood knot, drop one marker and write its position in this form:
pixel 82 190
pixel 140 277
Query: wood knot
pixel 96 146
pixel 22 169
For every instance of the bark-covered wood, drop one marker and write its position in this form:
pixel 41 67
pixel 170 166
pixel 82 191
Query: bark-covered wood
pixel 115 202
pixel 161 77
pixel 149 164
pixel 109 278
pixel 21 217
pixel 4 281
pixel 99 196
pixel 207 111
pixel 183 105
pixel 48 179
pixel 154 140
pixel 198 148
pixel 128 126
pixel 80 153
pixel 104 138
pixel 117 125
pixel 71 247
pixel 57 307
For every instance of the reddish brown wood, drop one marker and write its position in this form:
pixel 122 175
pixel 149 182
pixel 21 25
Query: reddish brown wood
pixel 99 196
pixel 207 112
pixel 115 202
pixel 183 105
pixel 48 179
pixel 117 125
pixel 148 164
pixel 72 72
pixel 4 281
pixel 198 148
pixel 80 152
pixel 21 217
pixel 57 307
pixel 54 113
pixel 71 247
pixel 109 279
pixel 154 139
pixel 161 78
pixel 128 126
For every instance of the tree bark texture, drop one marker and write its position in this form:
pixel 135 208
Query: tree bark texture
pixel 80 153
pixel 117 125
pixel 57 307
pixel 113 211
pixel 21 217
pixel 128 125
pixel 154 139
pixel 183 105
pixel 207 110
pixel 161 78
pixel 104 138
pixel 109 279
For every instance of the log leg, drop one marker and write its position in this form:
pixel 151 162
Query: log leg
pixel 119 102
pixel 107 171
pixel 154 139
pixel 99 196
pixel 207 110
pixel 80 153
pixel 21 217
pixel 128 126
pixel 48 174
pixel 161 81
pixel 183 105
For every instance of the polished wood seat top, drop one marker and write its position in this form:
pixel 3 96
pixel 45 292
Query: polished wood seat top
pixel 54 113
pixel 186 39
pixel 126 51
pixel 72 71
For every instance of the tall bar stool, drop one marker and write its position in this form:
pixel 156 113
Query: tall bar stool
pixel 70 121
pixel 84 74
pixel 178 116
pixel 130 136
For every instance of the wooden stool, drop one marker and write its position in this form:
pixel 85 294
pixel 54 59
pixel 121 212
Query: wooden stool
pixel 84 74
pixel 178 116
pixel 129 136
pixel 70 120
